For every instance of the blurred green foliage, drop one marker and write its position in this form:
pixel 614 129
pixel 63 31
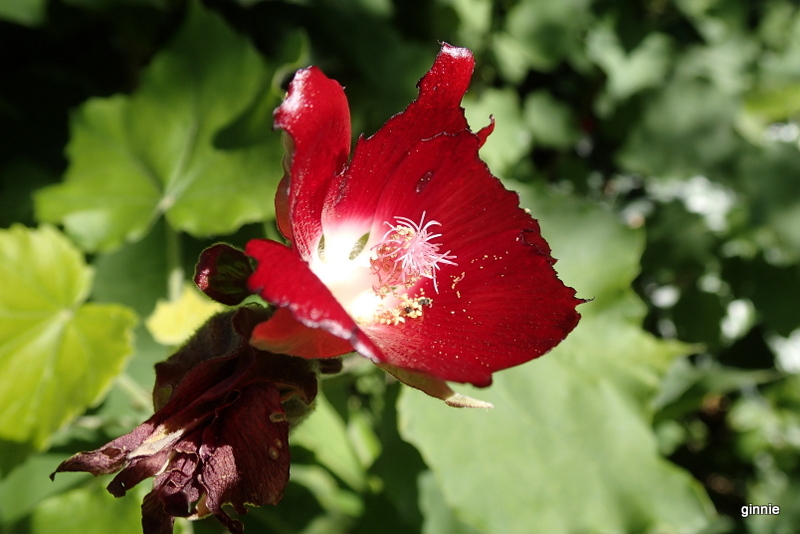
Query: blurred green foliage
pixel 658 143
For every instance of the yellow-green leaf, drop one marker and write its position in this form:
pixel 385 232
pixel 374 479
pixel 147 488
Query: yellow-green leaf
pixel 58 354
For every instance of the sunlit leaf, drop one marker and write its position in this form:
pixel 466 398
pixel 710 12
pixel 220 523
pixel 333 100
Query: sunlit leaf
pixel 58 354
pixel 174 322
pixel 596 254
pixel 439 518
pixel 510 139
pixel 569 445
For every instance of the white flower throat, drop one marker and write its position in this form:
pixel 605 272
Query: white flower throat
pixel 375 282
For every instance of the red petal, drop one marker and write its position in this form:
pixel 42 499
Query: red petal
pixel 502 304
pixel 283 279
pixel 316 115
pixel 486 131
pixel 284 335
pixel 375 160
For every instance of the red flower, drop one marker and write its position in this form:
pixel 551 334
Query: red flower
pixel 220 431
pixel 411 253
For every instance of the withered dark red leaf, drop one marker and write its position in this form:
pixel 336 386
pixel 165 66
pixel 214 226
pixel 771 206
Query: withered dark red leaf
pixel 220 432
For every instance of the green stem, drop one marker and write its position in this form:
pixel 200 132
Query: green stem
pixel 175 273
pixel 136 392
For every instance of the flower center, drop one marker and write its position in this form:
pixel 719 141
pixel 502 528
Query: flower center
pixel 376 284
pixel 406 254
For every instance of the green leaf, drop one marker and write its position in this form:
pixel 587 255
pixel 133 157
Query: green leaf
pixel 27 12
pixel 475 21
pixel 324 433
pixel 774 196
pixel 628 73
pixel 133 159
pixel 27 485
pixel 439 518
pixel 134 274
pixel 89 509
pixel 510 139
pixel 97 5
pixel 551 121
pixel 686 129
pixel 596 255
pixel 324 487
pixel 173 322
pixel 569 446
pixel 63 354
pixel 538 35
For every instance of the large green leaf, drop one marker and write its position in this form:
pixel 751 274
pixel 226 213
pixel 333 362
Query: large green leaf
pixel 27 485
pixel 157 152
pixel 569 445
pixel 135 274
pixel 58 355
pixel 89 509
pixel 325 434
pixel 439 518
pixel 596 254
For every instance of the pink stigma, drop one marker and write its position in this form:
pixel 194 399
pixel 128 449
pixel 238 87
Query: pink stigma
pixel 406 254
